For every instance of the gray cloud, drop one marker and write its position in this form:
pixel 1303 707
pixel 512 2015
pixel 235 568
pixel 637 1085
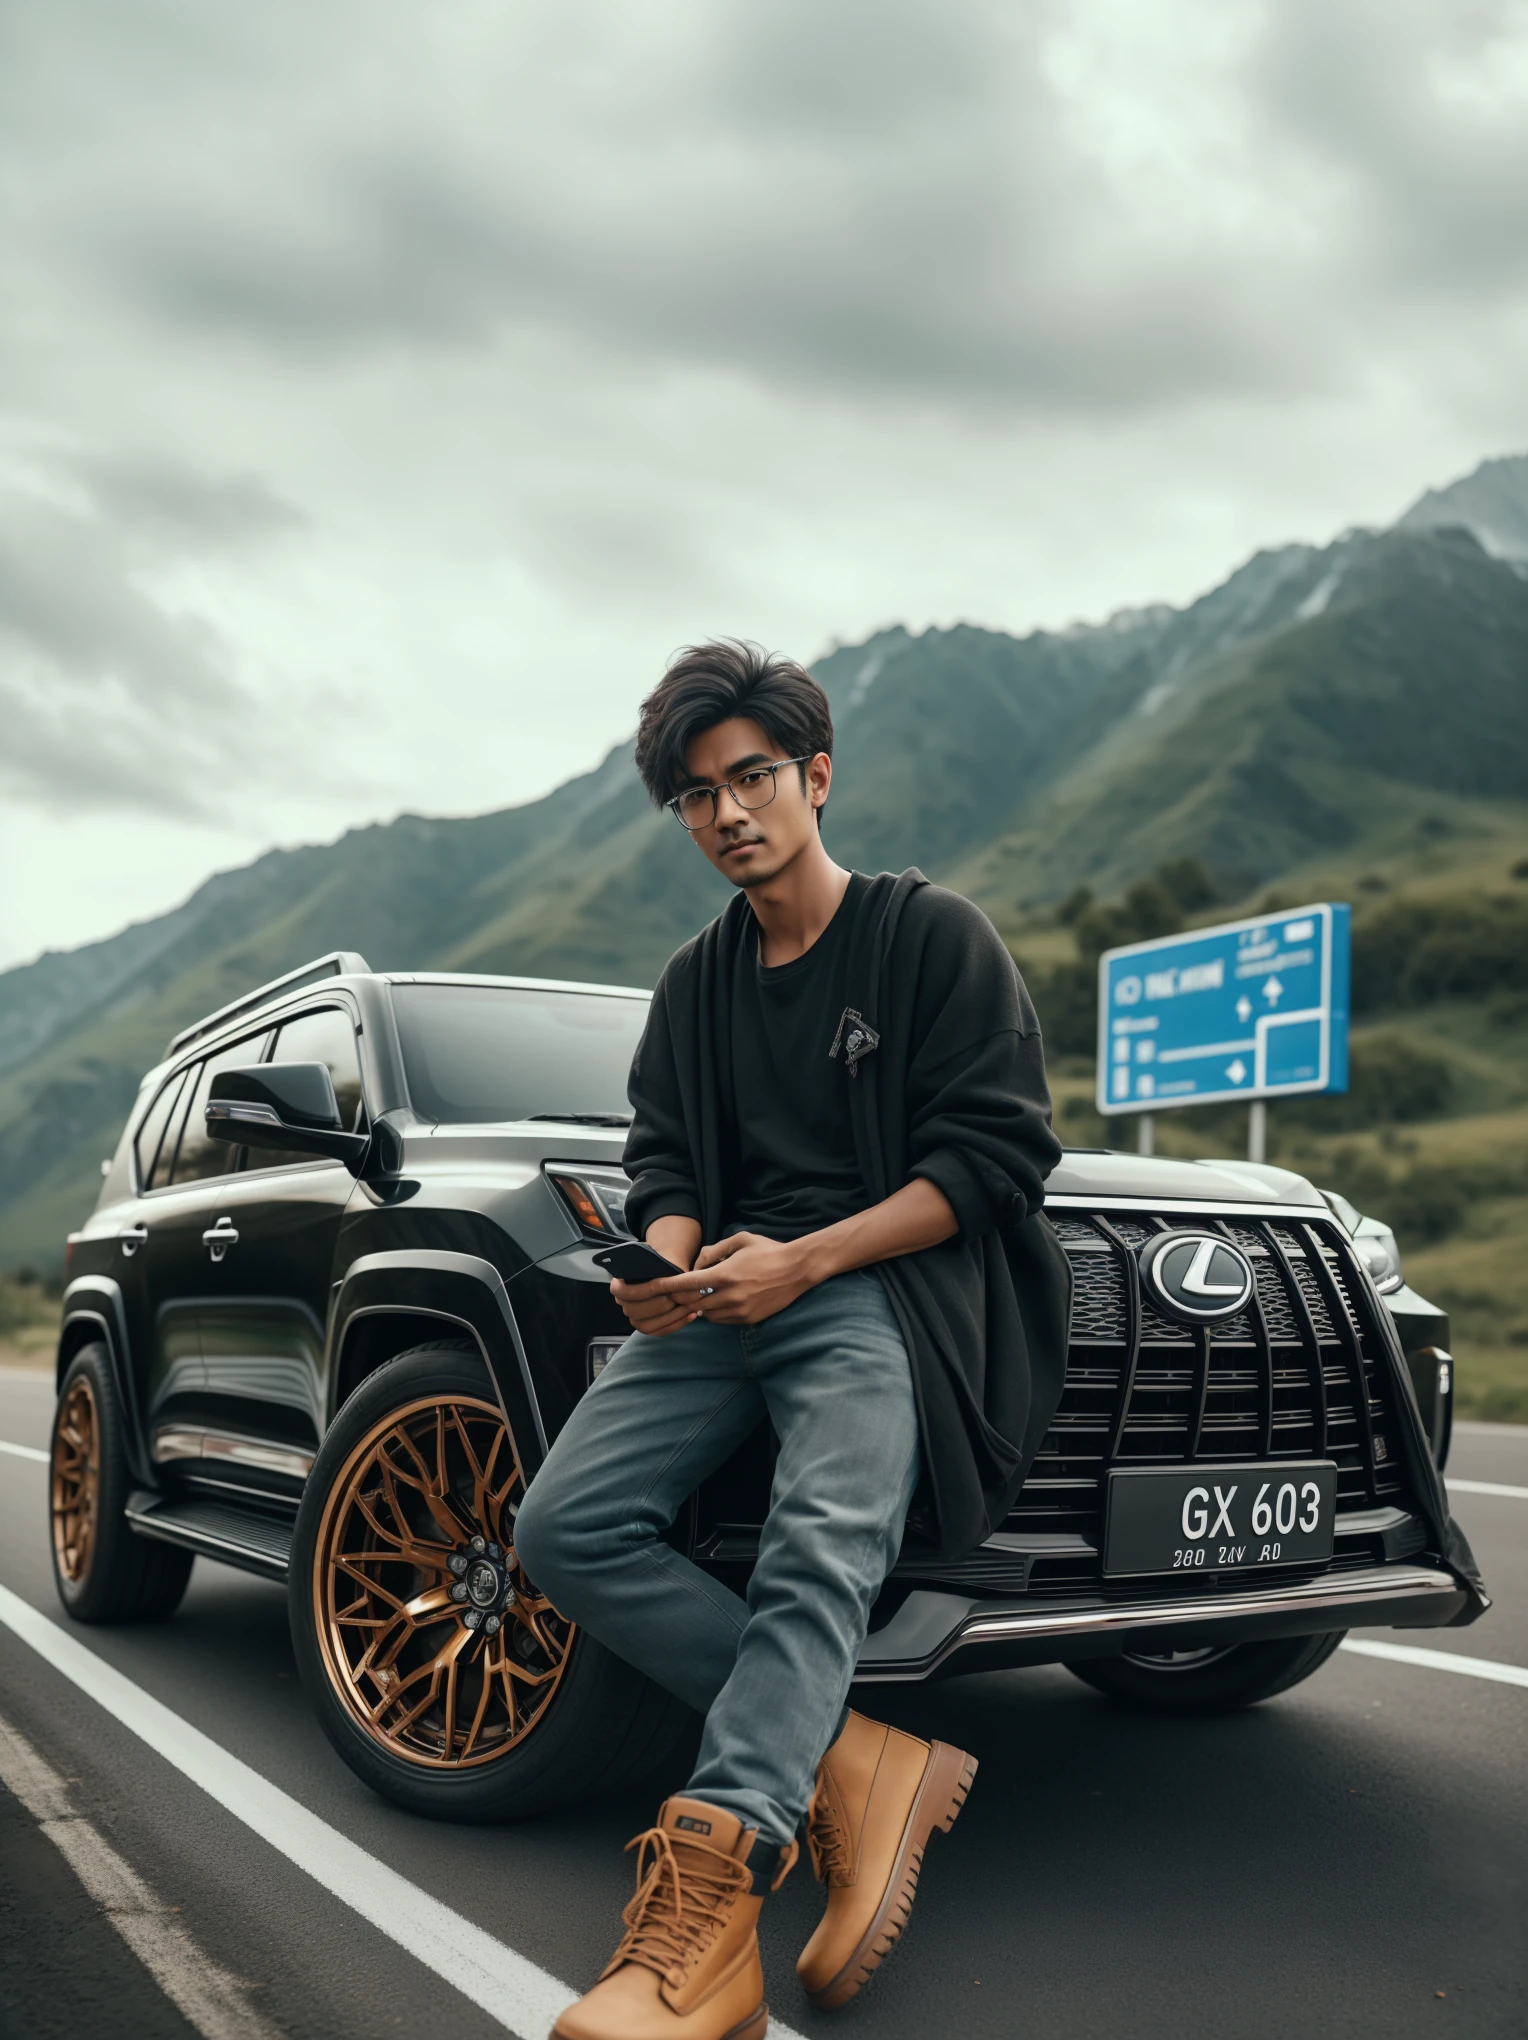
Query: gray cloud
pixel 173 508
pixel 106 698
pixel 865 197
pixel 439 370
pixel 1411 104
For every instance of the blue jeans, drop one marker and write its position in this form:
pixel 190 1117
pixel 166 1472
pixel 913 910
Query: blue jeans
pixel 770 1674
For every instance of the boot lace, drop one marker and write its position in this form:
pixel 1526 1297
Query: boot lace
pixel 682 1900
pixel 827 1838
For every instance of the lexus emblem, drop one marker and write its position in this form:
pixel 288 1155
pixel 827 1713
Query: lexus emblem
pixel 1198 1278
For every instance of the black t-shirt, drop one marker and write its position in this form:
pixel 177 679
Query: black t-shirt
pixel 793 1166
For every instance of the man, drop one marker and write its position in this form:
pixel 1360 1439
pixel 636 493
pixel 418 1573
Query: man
pixel 841 1134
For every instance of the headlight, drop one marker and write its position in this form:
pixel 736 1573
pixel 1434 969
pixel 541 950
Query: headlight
pixel 596 1198
pixel 1376 1248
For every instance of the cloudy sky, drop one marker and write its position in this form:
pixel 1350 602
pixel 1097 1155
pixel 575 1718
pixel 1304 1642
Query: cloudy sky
pixel 385 391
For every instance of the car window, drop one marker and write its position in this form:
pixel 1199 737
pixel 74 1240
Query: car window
pixel 164 1160
pixel 478 1053
pixel 199 1156
pixel 327 1037
pixel 150 1136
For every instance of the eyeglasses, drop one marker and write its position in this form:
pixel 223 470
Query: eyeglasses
pixel 695 808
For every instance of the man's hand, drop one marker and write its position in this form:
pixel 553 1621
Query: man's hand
pixel 650 1307
pixel 749 1278
pixel 739 1281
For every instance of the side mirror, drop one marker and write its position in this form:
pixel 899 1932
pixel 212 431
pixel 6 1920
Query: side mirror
pixel 290 1106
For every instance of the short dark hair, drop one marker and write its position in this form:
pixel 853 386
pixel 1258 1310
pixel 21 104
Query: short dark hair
pixel 711 683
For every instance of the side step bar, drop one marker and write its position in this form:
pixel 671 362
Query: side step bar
pixel 252 1540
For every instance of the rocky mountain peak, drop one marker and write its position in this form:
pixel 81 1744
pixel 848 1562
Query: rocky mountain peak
pixel 1492 502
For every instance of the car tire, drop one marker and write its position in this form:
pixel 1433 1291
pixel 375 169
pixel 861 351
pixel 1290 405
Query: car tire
pixel 103 1570
pixel 1209 1681
pixel 417 1464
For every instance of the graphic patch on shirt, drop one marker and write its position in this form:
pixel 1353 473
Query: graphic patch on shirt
pixel 856 1037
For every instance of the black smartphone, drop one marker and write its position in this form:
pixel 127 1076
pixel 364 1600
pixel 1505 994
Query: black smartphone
pixel 635 1261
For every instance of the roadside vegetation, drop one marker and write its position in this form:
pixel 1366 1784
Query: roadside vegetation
pixel 1432 1134
pixel 29 1307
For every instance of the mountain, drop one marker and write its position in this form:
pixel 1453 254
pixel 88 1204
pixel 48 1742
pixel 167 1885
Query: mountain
pixel 1396 678
pixel 1311 700
pixel 1492 502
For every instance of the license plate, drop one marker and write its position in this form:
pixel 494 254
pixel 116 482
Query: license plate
pixel 1212 1519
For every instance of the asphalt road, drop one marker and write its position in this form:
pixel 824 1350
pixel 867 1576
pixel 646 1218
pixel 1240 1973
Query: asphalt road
pixel 1351 1858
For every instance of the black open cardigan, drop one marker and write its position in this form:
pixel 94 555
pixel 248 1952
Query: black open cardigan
pixel 953 1089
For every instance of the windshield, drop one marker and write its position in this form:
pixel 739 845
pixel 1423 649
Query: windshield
pixel 476 1053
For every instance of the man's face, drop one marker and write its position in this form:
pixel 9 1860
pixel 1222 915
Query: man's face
pixel 753 845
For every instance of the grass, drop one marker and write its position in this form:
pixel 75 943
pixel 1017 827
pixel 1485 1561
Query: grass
pixel 1479 1275
pixel 28 1322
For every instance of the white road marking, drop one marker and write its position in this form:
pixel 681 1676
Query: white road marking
pixel 1439 1661
pixel 215 2002
pixel 510 1988
pixel 507 1986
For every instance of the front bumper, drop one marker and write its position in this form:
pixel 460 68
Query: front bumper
pixel 939 1635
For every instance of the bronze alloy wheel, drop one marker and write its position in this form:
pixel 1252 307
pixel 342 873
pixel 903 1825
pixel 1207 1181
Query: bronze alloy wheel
pixel 432 1636
pixel 76 1480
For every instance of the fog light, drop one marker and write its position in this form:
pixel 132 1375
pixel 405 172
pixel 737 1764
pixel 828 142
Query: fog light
pixel 601 1353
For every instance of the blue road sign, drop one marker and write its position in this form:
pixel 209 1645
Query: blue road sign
pixel 1255 1009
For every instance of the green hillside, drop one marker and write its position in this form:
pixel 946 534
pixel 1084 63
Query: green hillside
pixel 1348 721
pixel 1406 683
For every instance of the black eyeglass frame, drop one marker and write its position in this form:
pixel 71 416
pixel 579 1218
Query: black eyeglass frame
pixel 772 766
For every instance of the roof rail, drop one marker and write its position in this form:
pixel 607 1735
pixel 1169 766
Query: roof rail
pixel 339 963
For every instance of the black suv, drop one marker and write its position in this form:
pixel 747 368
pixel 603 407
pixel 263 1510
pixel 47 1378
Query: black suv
pixel 338 1293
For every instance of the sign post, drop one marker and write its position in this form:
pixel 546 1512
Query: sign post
pixel 1251 1010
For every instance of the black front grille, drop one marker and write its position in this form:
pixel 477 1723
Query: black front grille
pixel 1299 1375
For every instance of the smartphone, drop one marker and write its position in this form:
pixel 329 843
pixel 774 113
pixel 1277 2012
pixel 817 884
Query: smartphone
pixel 635 1261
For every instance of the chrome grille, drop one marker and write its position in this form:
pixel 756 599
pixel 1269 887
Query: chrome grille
pixel 1098 1294
pixel 1300 1374
pixel 1315 1301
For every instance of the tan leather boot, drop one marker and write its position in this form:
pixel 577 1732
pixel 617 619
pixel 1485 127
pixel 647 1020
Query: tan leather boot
pixel 880 1795
pixel 688 1965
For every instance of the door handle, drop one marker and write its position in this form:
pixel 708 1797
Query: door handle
pixel 219 1238
pixel 132 1238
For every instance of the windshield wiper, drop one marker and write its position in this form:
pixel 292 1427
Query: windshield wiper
pixel 584 1118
